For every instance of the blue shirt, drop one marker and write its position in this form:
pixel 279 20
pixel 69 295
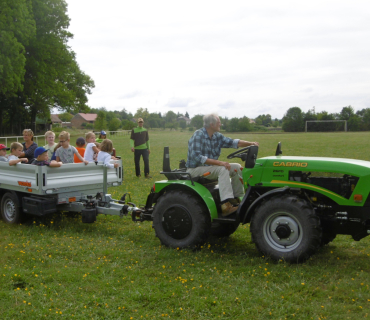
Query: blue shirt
pixel 201 147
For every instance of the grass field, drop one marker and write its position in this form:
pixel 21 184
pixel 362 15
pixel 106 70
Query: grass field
pixel 58 267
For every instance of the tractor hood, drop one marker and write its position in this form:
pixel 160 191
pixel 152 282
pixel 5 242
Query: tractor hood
pixel 348 166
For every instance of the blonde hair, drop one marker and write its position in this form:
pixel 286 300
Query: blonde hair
pixel 64 135
pixel 29 132
pixel 90 134
pixel 106 146
pixel 15 146
pixel 49 133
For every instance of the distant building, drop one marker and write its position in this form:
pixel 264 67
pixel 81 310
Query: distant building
pixel 187 120
pixel 252 121
pixel 81 118
pixel 55 119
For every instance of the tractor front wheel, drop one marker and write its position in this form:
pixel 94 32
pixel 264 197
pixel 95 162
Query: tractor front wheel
pixel 286 227
pixel 181 220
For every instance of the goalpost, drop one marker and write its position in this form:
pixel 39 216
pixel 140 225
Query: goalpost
pixel 345 123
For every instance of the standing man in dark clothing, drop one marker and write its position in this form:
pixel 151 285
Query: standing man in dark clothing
pixel 139 143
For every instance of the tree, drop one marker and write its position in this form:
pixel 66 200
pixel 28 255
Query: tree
pixel 197 121
pixel 100 122
pixel 52 77
pixel 366 119
pixel 16 29
pixel 346 113
pixel 125 115
pixel 244 125
pixel 128 125
pixel 293 120
pixel 264 120
pixel 114 124
pixel 327 126
pixel 170 116
pixel 310 116
pixel 142 113
pixel 182 124
pixel 154 120
pixel 65 117
pixel 232 125
pixel 354 123
pixel 187 115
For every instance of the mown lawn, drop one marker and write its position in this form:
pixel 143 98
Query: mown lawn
pixel 58 267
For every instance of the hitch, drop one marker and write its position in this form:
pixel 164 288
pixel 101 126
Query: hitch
pixel 141 214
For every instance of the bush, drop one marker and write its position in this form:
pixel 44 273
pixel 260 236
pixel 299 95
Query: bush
pixel 57 129
pixel 191 129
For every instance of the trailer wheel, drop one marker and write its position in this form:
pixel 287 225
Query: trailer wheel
pixel 181 220
pixel 10 210
pixel 221 230
pixel 286 227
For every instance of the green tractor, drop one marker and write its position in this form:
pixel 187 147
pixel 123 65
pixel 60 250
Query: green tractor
pixel 294 205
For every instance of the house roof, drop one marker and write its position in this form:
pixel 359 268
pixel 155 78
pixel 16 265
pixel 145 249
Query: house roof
pixel 54 118
pixel 183 118
pixel 88 116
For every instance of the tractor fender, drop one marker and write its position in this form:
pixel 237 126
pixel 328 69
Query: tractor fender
pixel 255 203
pixel 197 189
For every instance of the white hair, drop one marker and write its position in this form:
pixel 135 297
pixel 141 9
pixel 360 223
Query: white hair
pixel 209 119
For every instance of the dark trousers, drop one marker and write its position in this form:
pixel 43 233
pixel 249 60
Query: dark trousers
pixel 138 154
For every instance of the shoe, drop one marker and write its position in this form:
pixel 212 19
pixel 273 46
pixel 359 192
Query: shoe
pixel 148 176
pixel 227 209
pixel 139 176
pixel 235 201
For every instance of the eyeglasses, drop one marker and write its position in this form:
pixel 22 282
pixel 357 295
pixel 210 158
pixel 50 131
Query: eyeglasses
pixel 62 141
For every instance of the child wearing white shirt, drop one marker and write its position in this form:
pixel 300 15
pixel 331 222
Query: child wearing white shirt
pixel 90 147
pixel 104 155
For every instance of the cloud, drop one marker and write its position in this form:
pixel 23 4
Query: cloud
pixel 236 58
pixel 130 95
pixel 175 103
pixel 227 104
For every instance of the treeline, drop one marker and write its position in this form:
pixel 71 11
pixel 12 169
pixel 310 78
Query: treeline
pixel 38 70
pixel 115 120
pixel 295 120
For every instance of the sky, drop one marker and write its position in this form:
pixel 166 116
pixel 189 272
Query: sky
pixel 234 58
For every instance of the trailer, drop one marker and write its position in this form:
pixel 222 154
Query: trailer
pixel 76 187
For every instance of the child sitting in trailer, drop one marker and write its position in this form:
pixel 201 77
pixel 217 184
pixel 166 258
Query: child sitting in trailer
pixel 80 146
pixel 91 148
pixel 3 157
pixel 16 149
pixel 66 152
pixel 42 158
pixel 104 155
pixel 50 139
pixel 54 157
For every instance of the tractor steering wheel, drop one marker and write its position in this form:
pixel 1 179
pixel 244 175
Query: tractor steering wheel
pixel 237 154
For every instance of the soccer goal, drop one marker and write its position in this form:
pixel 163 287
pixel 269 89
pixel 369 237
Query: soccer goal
pixel 318 121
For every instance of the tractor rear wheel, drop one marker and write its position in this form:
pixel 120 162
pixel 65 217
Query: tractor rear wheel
pixel 181 220
pixel 286 227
